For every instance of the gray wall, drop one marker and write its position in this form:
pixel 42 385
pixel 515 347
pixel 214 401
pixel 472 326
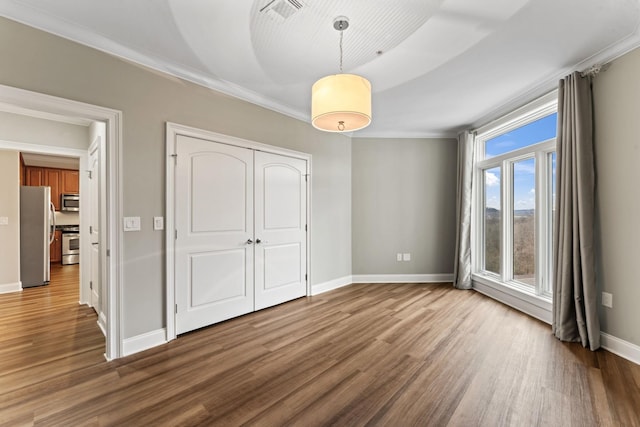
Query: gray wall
pixel 617 146
pixel 403 190
pixel 403 201
pixel 32 130
pixel 10 208
pixel 48 64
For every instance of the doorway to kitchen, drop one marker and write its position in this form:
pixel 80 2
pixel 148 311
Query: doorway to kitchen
pixel 31 104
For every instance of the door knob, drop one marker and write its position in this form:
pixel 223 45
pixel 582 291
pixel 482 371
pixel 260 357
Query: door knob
pixel 249 241
pixel 258 241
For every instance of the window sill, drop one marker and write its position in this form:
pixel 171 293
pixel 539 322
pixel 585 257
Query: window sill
pixel 516 297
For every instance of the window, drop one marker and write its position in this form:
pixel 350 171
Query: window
pixel 513 201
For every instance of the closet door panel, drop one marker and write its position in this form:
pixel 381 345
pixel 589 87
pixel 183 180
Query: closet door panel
pixel 281 265
pixel 214 227
pixel 280 235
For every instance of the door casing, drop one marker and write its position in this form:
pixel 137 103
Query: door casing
pixel 26 102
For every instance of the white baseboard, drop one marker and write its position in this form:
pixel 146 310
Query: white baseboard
pixel 615 345
pixel 331 285
pixel 379 278
pixel 102 322
pixel 620 347
pixel 402 278
pixel 144 341
pixel 6 288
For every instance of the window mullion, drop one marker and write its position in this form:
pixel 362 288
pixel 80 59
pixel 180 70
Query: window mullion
pixel 506 258
pixel 541 221
pixel 549 197
pixel 477 237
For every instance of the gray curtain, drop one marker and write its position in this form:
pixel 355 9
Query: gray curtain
pixel 462 267
pixel 575 313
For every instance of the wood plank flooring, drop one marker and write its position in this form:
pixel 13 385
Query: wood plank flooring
pixel 387 355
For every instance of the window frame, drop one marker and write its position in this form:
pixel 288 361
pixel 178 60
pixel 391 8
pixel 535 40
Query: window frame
pixel 540 294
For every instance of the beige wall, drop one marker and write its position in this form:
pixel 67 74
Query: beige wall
pixel 617 146
pixel 32 130
pixel 403 201
pixel 48 64
pixel 10 208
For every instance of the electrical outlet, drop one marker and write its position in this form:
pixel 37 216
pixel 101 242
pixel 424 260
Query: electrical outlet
pixel 406 257
pixel 4 220
pixel 398 257
pixel 607 299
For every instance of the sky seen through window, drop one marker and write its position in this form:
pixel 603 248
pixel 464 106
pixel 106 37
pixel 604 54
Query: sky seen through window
pixel 537 131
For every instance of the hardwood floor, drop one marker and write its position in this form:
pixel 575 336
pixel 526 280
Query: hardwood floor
pixel 396 355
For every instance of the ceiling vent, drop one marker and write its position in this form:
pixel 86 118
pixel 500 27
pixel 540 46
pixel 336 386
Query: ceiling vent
pixel 279 10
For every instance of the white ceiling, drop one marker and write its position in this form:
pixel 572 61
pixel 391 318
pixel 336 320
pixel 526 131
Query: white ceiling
pixel 436 66
pixel 49 161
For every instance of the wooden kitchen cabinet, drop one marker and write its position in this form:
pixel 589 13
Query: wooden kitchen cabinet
pixel 70 181
pixel 52 179
pixel 55 249
pixel 33 176
pixel 60 180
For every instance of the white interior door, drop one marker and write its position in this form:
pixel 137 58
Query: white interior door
pixel 280 229
pixel 214 232
pixel 94 225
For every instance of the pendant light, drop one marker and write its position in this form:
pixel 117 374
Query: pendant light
pixel 341 102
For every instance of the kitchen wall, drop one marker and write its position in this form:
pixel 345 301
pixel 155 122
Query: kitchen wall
pixel 617 147
pixel 9 209
pixel 33 130
pixel 403 202
pixel 67 218
pixel 48 64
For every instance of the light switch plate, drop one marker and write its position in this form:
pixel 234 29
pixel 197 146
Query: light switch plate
pixel 158 223
pixel 406 257
pixel 4 220
pixel 399 256
pixel 131 223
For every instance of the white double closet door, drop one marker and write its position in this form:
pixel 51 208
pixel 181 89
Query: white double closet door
pixel 240 231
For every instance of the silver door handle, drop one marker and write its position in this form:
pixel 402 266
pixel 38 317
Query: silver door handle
pixel 249 241
pixel 52 214
pixel 258 241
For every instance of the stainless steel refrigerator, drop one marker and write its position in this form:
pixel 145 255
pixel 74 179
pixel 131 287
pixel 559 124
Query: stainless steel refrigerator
pixel 37 227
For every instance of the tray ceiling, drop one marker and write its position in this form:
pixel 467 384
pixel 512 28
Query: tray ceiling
pixel 436 66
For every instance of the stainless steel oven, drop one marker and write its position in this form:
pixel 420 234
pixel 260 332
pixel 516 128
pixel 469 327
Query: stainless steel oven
pixel 69 202
pixel 70 245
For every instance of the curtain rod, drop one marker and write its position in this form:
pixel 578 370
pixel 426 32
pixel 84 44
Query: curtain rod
pixel 595 69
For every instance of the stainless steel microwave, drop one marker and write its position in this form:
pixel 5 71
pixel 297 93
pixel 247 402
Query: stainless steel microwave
pixel 70 202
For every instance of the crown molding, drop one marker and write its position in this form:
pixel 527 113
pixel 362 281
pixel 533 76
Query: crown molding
pixel 399 134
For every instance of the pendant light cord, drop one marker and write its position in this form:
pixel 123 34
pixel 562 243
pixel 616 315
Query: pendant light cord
pixel 341 31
